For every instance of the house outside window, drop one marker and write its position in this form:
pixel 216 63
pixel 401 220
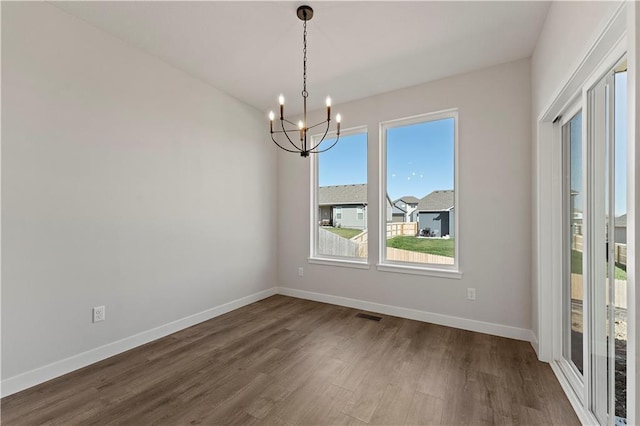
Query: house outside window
pixel 339 196
pixel 418 159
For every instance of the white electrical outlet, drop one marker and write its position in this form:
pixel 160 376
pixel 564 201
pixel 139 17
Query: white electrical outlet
pixel 300 271
pixel 99 314
pixel 471 294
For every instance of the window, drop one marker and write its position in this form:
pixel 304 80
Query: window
pixel 339 194
pixel 418 156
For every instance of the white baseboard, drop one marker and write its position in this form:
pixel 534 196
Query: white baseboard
pixel 450 321
pixel 42 374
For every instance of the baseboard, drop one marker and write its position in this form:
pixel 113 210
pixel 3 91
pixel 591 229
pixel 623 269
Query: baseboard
pixel 42 374
pixel 450 321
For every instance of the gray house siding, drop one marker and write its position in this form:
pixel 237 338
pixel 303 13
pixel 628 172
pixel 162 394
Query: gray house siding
pixel 439 223
pixel 398 217
pixel 349 217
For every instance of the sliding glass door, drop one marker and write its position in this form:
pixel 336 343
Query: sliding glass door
pixel 594 247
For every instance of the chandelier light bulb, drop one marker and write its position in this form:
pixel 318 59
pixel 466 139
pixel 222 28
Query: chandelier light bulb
pixel 281 99
pixel 300 125
pixel 338 118
pixel 271 116
pixel 328 101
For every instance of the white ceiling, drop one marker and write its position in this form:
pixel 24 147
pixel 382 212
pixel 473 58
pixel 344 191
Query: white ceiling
pixel 253 50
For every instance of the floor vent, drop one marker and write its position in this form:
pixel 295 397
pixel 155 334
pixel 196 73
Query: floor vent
pixel 369 317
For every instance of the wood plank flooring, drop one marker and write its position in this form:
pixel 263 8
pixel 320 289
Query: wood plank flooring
pixel 287 361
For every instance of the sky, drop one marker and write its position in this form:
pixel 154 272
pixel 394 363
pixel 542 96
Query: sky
pixel 419 159
pixel 345 163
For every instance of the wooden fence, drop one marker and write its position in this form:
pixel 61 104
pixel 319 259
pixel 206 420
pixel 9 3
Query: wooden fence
pixel 619 251
pixel 402 228
pixel 358 246
pixel 414 256
pixel 335 245
pixel 620 291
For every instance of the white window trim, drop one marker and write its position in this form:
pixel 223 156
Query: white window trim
pixel 443 271
pixel 314 256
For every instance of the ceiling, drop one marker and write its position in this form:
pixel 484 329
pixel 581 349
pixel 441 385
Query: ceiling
pixel 253 50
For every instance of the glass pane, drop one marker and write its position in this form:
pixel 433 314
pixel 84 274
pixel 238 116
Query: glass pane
pixel 342 198
pixel 574 310
pixel 420 211
pixel 619 249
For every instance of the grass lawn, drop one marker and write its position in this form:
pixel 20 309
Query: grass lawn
pixel 344 232
pixel 576 266
pixel 437 246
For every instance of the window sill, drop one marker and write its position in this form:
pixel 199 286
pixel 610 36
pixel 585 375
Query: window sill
pixel 420 270
pixel 339 262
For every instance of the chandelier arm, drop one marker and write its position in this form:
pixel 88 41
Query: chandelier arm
pixel 322 139
pixel 281 147
pixel 316 125
pixel 327 149
pixel 286 131
pixel 293 124
pixel 298 149
pixel 297 129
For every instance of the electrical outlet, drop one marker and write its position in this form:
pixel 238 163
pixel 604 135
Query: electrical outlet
pixel 471 294
pixel 300 271
pixel 99 314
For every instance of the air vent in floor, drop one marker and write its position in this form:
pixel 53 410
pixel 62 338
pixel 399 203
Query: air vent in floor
pixel 369 317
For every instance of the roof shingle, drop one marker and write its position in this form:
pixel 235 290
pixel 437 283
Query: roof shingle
pixel 342 194
pixel 437 201
pixel 409 199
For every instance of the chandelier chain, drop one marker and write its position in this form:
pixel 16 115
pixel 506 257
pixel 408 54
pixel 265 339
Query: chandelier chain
pixel 304 61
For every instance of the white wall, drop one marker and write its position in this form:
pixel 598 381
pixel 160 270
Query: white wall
pixel 494 210
pixel 117 176
pixel 569 32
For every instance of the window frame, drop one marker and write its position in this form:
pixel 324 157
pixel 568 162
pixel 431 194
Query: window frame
pixel 314 256
pixel 430 269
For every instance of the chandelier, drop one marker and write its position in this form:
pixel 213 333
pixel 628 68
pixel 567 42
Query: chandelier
pixel 305 13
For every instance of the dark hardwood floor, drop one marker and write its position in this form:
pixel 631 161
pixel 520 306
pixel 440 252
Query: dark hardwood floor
pixel 287 361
